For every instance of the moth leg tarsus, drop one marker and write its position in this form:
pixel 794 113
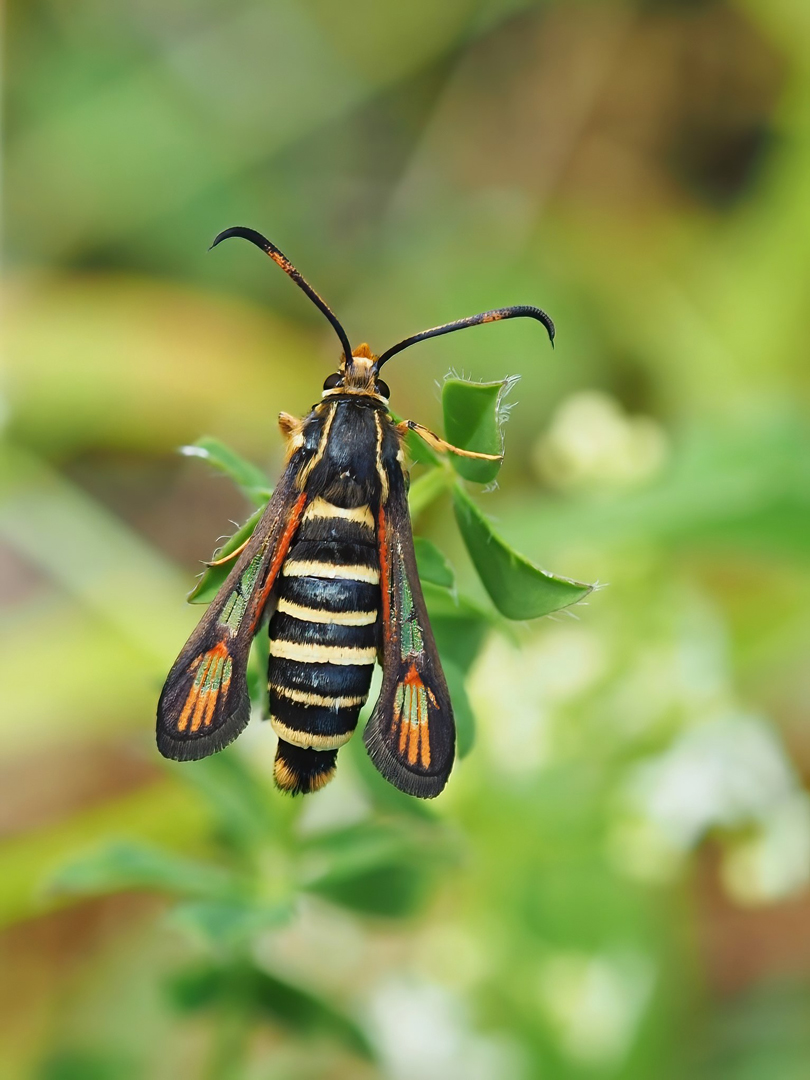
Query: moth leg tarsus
pixel 227 558
pixel 440 445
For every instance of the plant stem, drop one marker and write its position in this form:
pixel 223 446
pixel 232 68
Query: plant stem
pixel 428 488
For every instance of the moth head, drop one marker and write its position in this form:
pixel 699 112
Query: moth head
pixel 359 376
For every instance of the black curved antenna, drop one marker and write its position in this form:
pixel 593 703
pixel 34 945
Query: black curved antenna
pixel 281 260
pixel 518 312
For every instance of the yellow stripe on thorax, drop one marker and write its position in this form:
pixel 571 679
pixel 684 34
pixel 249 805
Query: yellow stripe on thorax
pixel 383 475
pixel 304 474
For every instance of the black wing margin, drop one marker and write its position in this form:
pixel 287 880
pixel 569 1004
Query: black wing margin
pixel 204 704
pixel 411 735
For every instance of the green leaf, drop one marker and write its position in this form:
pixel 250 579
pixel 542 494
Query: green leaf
pixel 427 488
pixel 393 889
pixel 212 578
pixel 385 798
pixel 73 1064
pixel 125 866
pixel 255 486
pixel 303 1010
pixel 432 564
pixel 246 810
pixel 458 624
pixel 443 602
pixel 473 419
pixel 340 854
pixel 518 588
pixel 265 996
pixel 223 922
pixel 248 476
pixel 460 628
pixel 377 869
pixel 462 710
pixel 258 661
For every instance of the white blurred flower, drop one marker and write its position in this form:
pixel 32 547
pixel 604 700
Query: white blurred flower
pixel 731 773
pixel 594 1002
pixel 514 689
pixel 592 442
pixel 296 950
pixel 774 863
pixel 423 1033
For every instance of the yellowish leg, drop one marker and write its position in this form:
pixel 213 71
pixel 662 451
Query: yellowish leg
pixel 440 445
pixel 292 430
pixel 232 555
pixel 290 425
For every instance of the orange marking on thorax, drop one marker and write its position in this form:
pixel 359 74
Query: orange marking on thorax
pixel 280 555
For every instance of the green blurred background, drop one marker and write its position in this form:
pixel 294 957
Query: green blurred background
pixel 615 882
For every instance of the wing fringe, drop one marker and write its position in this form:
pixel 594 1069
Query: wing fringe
pixel 421 785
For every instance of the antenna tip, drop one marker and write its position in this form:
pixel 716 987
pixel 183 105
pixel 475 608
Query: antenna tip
pixel 218 239
pixel 246 234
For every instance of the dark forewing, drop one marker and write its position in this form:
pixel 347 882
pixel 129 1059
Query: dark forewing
pixel 411 735
pixel 205 704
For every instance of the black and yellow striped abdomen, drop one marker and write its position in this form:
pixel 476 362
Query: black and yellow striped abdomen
pixel 323 640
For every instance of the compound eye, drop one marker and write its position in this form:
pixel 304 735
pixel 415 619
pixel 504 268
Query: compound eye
pixel 382 388
pixel 333 381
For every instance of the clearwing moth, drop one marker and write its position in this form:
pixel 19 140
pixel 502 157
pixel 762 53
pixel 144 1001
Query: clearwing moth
pixel 331 567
